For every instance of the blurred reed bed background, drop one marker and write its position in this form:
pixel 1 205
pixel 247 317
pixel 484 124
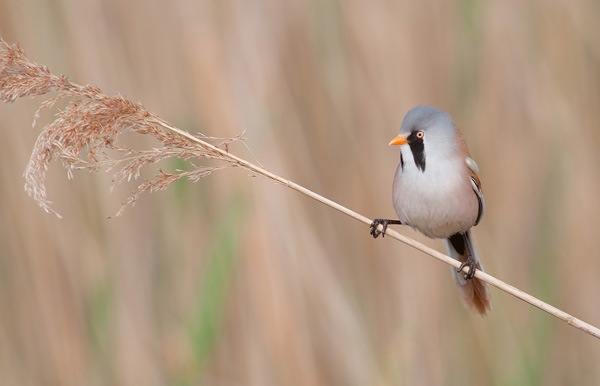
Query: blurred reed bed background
pixel 239 281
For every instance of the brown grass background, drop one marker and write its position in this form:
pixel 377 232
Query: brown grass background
pixel 240 281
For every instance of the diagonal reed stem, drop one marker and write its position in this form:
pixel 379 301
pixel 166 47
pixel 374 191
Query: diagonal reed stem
pixel 556 312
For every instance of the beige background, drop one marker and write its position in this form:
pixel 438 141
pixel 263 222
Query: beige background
pixel 239 281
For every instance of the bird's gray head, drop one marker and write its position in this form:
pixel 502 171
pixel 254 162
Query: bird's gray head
pixel 427 130
pixel 426 118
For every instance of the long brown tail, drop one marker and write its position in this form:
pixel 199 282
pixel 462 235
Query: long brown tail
pixel 474 293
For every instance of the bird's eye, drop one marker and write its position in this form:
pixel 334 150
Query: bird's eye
pixel 420 134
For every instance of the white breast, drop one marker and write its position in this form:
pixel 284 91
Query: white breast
pixel 438 202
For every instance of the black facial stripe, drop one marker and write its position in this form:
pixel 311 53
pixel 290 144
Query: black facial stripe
pixel 417 147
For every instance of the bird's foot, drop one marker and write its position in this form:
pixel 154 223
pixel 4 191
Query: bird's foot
pixel 375 232
pixel 471 263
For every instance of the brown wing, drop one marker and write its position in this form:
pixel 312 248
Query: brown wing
pixel 473 170
pixel 476 184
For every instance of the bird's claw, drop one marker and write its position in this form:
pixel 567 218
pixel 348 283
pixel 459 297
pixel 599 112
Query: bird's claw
pixel 375 232
pixel 470 262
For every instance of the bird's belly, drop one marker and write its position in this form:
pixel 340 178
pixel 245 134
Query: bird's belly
pixel 437 207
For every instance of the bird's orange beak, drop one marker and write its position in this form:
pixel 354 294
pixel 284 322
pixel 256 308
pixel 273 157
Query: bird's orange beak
pixel 399 140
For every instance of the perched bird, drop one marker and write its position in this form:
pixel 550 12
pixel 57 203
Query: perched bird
pixel 437 191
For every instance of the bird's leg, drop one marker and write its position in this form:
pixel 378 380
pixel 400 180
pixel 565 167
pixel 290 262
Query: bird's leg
pixel 375 232
pixel 470 262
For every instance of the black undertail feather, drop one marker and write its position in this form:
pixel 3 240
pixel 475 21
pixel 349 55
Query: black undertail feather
pixel 458 243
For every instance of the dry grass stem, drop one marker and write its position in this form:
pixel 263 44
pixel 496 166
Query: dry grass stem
pixel 89 127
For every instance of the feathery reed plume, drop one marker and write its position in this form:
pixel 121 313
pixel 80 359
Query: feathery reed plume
pixel 92 122
pixel 90 125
